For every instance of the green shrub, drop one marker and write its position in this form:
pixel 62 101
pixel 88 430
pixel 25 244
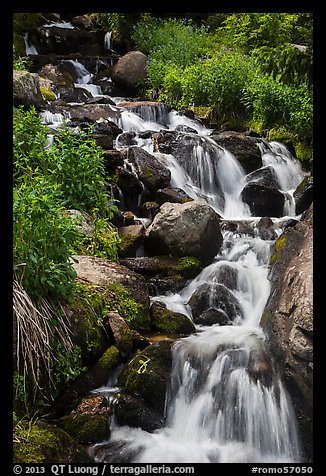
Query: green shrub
pixel 42 240
pixel 76 165
pixel 29 141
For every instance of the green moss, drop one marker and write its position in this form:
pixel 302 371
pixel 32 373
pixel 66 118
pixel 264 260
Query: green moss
pixel 303 151
pixel 47 94
pixel 86 429
pixel 110 359
pixel 279 244
pixel 147 374
pixel 188 265
pixel 127 245
pixel 135 315
pixel 34 445
pixel 88 306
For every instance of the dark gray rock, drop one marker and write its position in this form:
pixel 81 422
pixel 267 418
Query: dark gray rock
pixel 243 147
pixel 214 296
pixel 263 200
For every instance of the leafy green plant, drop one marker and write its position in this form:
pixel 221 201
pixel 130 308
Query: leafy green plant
pixel 76 165
pixel 103 242
pixel 29 141
pixel 42 240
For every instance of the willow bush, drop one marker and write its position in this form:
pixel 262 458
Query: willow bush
pixel 245 66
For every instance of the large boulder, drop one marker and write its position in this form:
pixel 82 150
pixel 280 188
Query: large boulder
pixel 185 229
pixel 26 90
pixel 243 147
pixel 130 71
pixel 288 317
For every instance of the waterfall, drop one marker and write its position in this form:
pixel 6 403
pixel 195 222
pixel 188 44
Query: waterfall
pixel 83 78
pixel 107 40
pixel 30 48
pixel 225 402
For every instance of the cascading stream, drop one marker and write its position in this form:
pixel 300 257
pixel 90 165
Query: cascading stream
pixel 226 402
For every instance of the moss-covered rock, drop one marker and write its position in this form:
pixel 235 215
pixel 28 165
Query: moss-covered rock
pixel 43 443
pixel 121 333
pixel 86 429
pixel 110 275
pixel 85 314
pixel 170 322
pixel 132 410
pixel 278 246
pixel 131 237
pixel 95 376
pixel 47 94
pixel 148 374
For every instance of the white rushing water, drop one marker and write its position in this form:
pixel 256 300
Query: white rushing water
pixel 30 48
pixel 225 403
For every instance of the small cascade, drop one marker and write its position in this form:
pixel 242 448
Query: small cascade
pixel 60 24
pixel 107 40
pixel 288 171
pixel 225 402
pixel 83 78
pixel 30 48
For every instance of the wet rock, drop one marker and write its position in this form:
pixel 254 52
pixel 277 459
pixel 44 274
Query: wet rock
pixel 263 200
pixel 260 368
pixel 243 147
pixel 218 297
pixel 228 276
pixel 240 227
pixel 266 230
pixel 212 316
pixel 132 410
pixel 169 322
pixel 172 195
pixel 64 41
pixel 149 170
pixel 264 176
pixel 303 195
pixel 132 237
pixel 185 229
pixel 148 375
